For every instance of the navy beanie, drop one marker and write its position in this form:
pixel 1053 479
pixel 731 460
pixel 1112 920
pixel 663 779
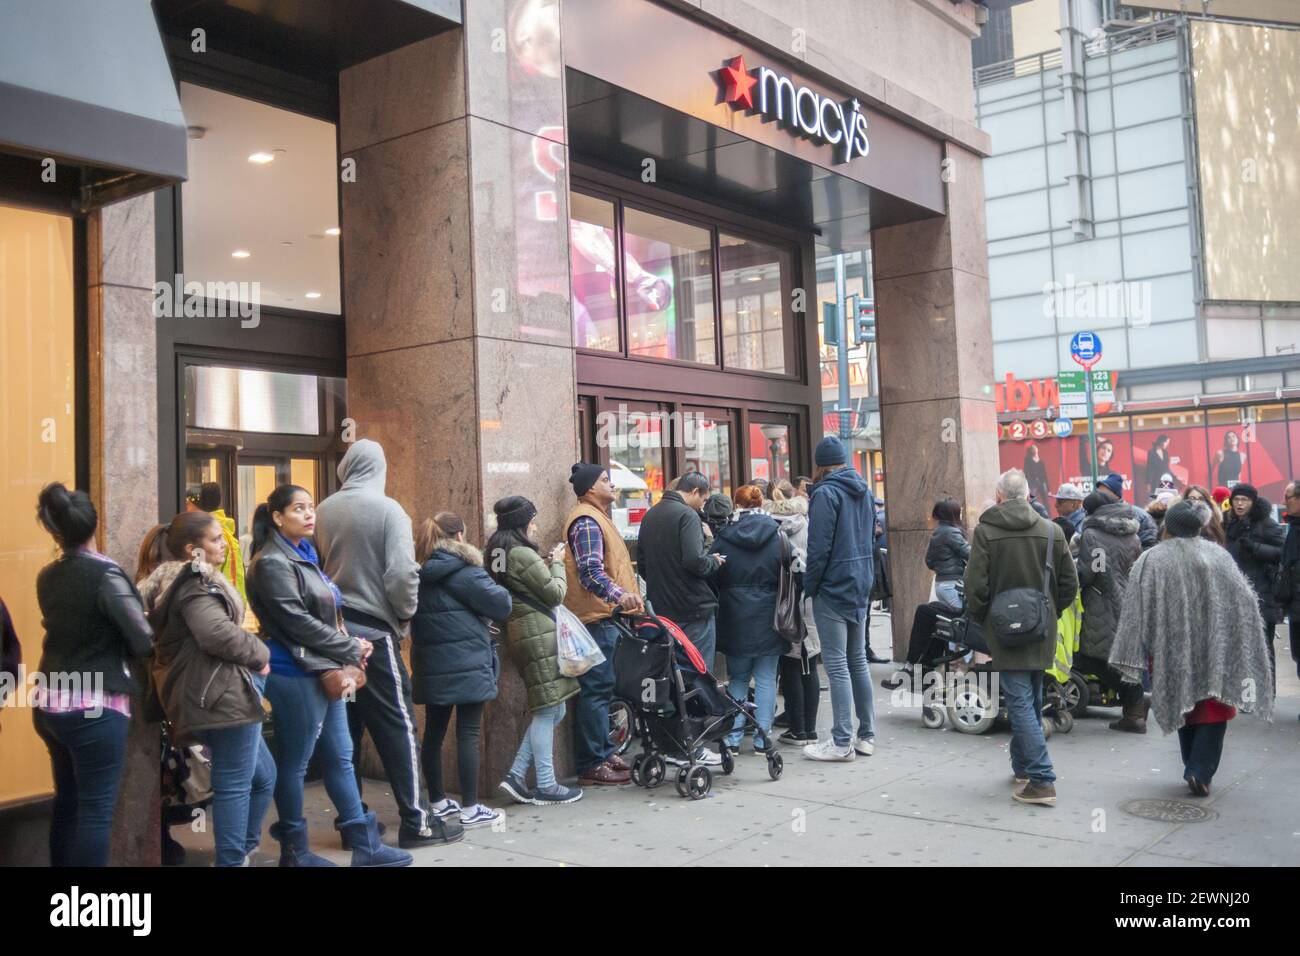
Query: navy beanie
pixel 583 475
pixel 1115 483
pixel 830 451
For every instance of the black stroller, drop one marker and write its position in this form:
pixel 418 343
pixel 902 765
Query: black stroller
pixel 676 705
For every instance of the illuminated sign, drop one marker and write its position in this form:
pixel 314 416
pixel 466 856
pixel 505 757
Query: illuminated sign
pixel 776 97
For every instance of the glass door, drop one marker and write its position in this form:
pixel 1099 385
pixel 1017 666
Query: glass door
pixel 707 439
pixel 259 476
pixel 770 440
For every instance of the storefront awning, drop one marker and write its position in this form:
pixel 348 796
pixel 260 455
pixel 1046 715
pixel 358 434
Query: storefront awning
pixel 86 83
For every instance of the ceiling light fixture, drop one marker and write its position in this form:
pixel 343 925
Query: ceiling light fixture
pixel 261 158
pixel 240 254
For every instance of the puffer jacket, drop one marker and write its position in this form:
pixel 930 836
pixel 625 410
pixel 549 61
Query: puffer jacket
pixel 841 537
pixel 1108 546
pixel 792 513
pixel 747 586
pixel 1255 543
pixel 947 553
pixel 295 606
pixel 453 657
pixel 204 661
pixel 530 634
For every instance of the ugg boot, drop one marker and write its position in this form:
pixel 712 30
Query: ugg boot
pixel 1134 720
pixel 293 846
pixel 368 849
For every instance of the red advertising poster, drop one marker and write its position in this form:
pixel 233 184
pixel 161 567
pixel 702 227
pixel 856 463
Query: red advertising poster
pixel 1230 450
pixel 1269 463
pixel 1114 454
pixel 1166 446
pixel 1039 460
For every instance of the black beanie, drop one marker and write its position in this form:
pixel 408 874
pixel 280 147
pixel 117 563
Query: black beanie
pixel 1183 520
pixel 583 475
pixel 1245 491
pixel 518 516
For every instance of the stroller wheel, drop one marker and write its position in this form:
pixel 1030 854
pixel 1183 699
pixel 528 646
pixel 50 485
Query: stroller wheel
pixel 699 782
pixel 728 761
pixel 1063 722
pixel 932 717
pixel 682 776
pixel 775 764
pixel 654 770
pixel 638 770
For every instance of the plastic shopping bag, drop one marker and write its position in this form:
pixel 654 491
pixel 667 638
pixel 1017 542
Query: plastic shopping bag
pixel 577 652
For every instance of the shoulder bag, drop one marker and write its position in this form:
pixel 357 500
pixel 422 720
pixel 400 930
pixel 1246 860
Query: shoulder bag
pixel 1022 617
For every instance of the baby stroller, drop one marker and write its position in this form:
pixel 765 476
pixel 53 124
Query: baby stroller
pixel 963 695
pixel 677 706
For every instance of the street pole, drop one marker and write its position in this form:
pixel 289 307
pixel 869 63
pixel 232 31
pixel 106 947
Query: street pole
pixel 840 297
pixel 1092 425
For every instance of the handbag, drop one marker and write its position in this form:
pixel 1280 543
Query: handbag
pixel 339 682
pixel 1021 617
pixel 788 620
pixel 1283 586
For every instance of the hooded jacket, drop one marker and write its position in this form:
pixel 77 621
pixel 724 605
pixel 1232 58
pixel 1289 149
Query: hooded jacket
pixel 841 538
pixel 747 586
pixel 1255 543
pixel 365 542
pixel 1108 546
pixel 672 558
pixel 233 568
pixel 947 553
pixel 792 515
pixel 1009 550
pixel 203 660
pixel 453 657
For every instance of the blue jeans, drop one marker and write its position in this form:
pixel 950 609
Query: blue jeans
pixel 86 757
pixel 763 670
pixel 704 635
pixel 539 745
pixel 306 721
pixel 243 779
pixel 1202 746
pixel 844 655
pixel 946 591
pixel 1022 693
pixel 591 746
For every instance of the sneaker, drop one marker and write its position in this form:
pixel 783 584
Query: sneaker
pixel 480 816
pixel 703 757
pixel 439 832
pixel 1018 781
pixel 792 739
pixel 602 776
pixel 557 794
pixel 864 745
pixel 675 760
pixel 1043 794
pixel 826 750
pixel 516 789
pixel 444 808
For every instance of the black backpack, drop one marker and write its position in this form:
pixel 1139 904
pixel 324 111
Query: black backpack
pixel 1021 617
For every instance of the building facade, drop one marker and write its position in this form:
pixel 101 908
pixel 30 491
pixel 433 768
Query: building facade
pixel 495 236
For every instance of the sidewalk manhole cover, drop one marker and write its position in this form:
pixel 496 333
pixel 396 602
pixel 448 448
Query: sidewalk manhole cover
pixel 1167 811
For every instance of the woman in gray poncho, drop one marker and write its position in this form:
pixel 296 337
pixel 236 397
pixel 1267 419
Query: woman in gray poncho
pixel 1193 615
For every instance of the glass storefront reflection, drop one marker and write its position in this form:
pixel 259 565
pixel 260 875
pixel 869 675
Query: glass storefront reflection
pixel 668 284
pixel 708 443
pixel 753 312
pixel 591 255
pixel 769 452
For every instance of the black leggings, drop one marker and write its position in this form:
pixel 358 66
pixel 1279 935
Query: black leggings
pixel 469 718
pixel 802 693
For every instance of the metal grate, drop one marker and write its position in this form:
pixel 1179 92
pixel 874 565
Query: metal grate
pixel 1168 811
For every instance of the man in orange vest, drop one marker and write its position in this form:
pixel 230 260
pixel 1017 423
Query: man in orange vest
pixel 600 580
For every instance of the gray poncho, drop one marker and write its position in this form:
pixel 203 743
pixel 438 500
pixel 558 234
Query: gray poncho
pixel 1189 609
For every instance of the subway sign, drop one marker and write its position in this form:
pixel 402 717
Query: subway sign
pixel 804 110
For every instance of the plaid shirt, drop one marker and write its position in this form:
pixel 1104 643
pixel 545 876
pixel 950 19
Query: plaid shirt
pixel 588 547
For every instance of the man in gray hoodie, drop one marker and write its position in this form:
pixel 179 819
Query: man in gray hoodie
pixel 367 549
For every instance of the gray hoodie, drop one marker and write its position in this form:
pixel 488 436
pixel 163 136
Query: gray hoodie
pixel 365 542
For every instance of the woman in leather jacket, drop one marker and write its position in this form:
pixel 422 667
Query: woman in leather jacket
pixel 94 624
pixel 300 610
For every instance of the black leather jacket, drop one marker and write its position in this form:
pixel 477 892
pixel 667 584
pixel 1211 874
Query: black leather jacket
pixel 947 553
pixel 296 607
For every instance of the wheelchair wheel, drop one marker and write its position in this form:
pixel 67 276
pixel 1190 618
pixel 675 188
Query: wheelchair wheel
pixel 971 708
pixel 1074 694
pixel 1063 721
pixel 932 717
pixel 620 726
pixel 1047 728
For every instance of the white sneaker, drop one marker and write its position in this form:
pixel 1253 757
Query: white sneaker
pixel 826 750
pixel 445 808
pixel 708 758
pixel 864 745
pixel 479 816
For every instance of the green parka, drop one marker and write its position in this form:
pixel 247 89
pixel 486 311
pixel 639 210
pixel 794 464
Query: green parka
pixel 530 634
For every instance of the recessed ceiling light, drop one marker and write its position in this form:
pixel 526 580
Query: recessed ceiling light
pixel 313 295
pixel 240 254
pixel 333 231
pixel 262 158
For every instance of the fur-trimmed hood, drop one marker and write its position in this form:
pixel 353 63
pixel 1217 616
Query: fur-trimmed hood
pixel 787 506
pixel 155 590
pixel 448 557
pixel 1114 518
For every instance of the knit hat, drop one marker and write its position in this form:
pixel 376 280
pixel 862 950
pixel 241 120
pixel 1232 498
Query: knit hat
pixel 1115 483
pixel 1220 494
pixel 830 451
pixel 583 475
pixel 518 516
pixel 717 509
pixel 1183 520
pixel 1243 490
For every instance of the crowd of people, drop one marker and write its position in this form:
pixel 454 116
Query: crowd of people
pixel 1184 599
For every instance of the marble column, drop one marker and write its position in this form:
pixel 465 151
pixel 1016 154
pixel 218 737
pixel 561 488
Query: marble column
pixel 124 461
pixel 455 262
pixel 939 427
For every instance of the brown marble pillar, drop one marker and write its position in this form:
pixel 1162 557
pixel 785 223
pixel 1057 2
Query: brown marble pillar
pixel 938 422
pixel 455 262
pixel 124 461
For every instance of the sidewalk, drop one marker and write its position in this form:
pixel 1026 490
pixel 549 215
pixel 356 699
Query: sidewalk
pixel 925 797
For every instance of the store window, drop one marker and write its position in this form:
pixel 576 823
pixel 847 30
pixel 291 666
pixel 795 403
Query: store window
pixel 753 304
pixel 769 451
pixel 260 207
pixel 668 288
pixel 38 432
pixel 592 264
pixel 708 441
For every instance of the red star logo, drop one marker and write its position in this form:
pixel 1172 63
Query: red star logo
pixel 740 85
